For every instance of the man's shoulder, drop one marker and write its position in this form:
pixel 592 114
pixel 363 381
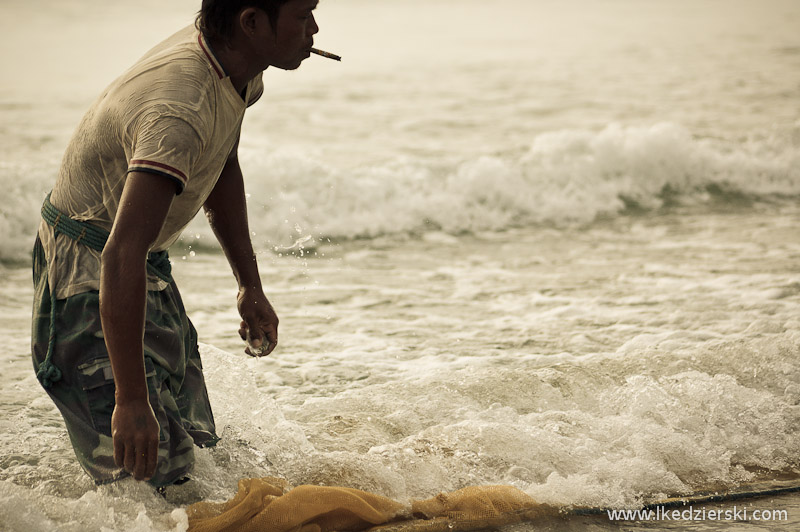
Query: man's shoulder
pixel 181 45
pixel 176 67
pixel 173 78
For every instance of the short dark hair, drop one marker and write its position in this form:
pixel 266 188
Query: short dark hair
pixel 215 18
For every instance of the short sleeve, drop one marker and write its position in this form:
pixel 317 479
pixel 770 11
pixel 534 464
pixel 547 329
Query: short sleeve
pixel 256 90
pixel 165 145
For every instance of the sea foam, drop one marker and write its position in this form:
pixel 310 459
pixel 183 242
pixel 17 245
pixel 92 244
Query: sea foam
pixel 563 177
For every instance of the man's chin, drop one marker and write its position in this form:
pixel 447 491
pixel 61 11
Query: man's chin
pixel 290 66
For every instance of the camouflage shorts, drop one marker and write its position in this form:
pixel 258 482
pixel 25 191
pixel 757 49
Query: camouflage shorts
pixel 85 392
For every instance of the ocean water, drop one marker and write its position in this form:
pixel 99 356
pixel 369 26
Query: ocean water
pixel 547 244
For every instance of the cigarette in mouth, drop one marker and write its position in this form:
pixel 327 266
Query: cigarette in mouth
pixel 326 54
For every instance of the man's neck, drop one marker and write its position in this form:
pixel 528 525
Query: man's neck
pixel 235 63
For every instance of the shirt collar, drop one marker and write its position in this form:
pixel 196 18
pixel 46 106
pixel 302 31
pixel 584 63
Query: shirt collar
pixel 212 59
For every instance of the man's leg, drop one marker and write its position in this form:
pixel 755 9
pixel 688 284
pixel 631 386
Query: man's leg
pixel 171 342
pixel 85 392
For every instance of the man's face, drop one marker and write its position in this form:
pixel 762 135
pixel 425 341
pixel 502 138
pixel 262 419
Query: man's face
pixel 294 34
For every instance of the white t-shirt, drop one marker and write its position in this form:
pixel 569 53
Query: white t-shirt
pixel 174 113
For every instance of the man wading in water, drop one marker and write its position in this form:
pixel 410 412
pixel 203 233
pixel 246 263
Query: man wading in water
pixel 112 344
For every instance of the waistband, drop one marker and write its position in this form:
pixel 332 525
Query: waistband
pixel 95 238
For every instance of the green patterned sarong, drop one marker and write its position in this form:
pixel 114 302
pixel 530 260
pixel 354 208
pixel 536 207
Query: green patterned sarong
pixel 84 393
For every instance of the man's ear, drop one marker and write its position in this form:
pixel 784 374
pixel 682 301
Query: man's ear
pixel 248 21
pixel 254 21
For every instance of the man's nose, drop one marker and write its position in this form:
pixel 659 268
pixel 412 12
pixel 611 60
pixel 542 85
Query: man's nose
pixel 312 28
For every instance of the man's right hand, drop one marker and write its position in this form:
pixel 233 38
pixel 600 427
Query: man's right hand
pixel 134 430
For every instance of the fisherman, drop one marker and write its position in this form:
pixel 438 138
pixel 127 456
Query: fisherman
pixel 111 341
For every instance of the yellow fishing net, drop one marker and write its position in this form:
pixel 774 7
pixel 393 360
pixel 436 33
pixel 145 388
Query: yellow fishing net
pixel 270 505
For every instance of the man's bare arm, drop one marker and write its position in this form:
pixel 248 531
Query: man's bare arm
pixel 226 209
pixel 144 205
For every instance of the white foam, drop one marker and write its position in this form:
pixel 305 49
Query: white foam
pixel 565 177
pixel 597 434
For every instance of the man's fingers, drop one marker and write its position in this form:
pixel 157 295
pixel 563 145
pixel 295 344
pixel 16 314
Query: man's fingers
pixel 141 459
pixel 255 337
pixel 272 339
pixel 146 458
pixel 130 457
pixel 134 429
pixel 152 460
pixel 260 334
pixel 119 452
pixel 262 348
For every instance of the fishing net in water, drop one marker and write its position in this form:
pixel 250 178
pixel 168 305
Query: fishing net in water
pixel 271 505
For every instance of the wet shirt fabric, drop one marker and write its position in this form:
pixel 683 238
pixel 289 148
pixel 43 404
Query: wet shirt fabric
pixel 174 113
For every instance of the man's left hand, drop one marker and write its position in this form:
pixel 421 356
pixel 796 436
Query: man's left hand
pixel 259 327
